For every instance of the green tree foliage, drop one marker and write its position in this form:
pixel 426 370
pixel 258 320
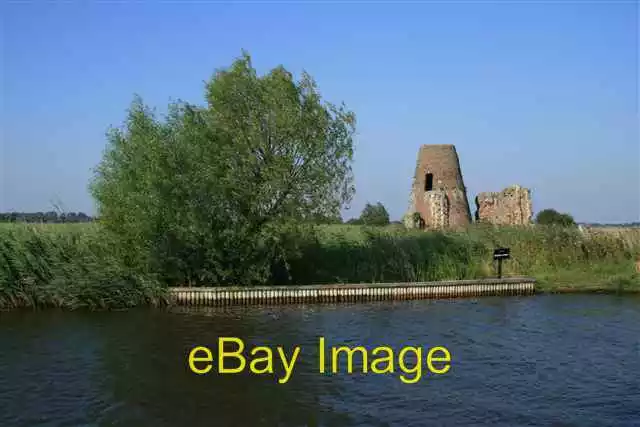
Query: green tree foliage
pixel 374 215
pixel 202 195
pixel 553 217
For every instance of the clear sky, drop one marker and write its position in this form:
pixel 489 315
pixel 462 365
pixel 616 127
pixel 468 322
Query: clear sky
pixel 540 94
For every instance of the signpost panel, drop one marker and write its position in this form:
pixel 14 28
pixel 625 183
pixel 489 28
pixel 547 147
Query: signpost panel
pixel 499 254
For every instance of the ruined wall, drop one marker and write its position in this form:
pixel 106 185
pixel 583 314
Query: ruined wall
pixel 439 208
pixel 511 206
pixel 445 203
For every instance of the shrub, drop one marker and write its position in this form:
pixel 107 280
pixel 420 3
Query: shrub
pixel 201 197
pixel 553 217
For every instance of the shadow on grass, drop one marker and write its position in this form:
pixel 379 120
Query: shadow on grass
pixel 383 257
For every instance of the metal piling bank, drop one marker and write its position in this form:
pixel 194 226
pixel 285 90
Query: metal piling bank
pixel 224 296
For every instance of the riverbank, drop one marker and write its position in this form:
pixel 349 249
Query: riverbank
pixel 350 292
pixel 602 279
pixel 78 265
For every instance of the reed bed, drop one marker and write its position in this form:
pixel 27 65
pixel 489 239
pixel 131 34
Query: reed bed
pixel 68 266
pixel 77 265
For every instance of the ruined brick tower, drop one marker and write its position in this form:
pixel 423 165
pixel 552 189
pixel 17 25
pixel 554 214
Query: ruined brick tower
pixel 438 193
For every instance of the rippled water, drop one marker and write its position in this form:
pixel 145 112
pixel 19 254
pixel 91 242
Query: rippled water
pixel 545 360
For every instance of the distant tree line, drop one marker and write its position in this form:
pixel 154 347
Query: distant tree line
pixel 619 225
pixel 48 217
pixel 372 215
pixel 553 217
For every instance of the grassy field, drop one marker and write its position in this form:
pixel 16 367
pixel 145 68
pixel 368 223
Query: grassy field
pixel 76 265
pixel 558 258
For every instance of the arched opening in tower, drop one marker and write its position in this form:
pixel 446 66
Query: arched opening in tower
pixel 428 182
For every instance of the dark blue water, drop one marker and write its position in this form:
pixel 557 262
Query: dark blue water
pixel 545 360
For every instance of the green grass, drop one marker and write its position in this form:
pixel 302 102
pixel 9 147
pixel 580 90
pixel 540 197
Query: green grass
pixel 77 265
pixel 69 266
pixel 346 253
pixel 601 277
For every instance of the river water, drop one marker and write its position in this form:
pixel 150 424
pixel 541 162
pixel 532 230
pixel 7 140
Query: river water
pixel 571 360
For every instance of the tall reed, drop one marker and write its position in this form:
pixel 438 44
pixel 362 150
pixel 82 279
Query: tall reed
pixel 70 266
pixel 347 253
pixel 78 265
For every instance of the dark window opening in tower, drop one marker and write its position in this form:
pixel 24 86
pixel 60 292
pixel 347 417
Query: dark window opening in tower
pixel 428 182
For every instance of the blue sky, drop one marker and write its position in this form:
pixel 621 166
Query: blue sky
pixel 540 94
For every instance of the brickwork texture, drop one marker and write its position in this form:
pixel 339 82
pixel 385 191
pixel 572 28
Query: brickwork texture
pixel 438 194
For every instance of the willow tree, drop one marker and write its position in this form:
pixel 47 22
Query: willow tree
pixel 201 195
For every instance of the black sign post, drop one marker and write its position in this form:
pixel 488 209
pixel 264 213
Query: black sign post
pixel 499 254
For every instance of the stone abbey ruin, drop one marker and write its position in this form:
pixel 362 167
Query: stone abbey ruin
pixel 439 198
